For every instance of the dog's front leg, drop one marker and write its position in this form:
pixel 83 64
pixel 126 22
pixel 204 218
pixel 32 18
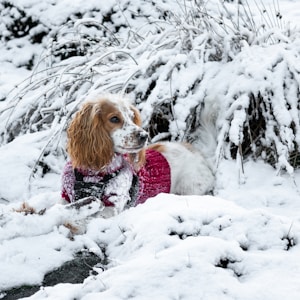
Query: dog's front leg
pixel 117 190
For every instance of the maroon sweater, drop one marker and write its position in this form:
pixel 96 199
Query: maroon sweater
pixel 154 176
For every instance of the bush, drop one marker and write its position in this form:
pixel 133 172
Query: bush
pixel 262 115
pixel 173 62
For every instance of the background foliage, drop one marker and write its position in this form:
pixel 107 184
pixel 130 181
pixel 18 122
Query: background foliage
pixel 172 63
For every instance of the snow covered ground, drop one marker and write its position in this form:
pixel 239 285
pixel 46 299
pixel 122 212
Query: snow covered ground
pixel 242 243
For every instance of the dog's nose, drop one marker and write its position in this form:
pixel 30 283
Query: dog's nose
pixel 142 137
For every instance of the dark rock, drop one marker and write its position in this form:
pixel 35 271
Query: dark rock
pixel 73 271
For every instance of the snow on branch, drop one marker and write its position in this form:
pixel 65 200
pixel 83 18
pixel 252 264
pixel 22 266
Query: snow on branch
pixel 262 112
pixel 171 60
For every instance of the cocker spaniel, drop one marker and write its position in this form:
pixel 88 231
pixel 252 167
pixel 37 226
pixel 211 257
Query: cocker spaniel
pixel 110 159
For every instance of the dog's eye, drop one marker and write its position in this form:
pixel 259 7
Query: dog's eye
pixel 114 119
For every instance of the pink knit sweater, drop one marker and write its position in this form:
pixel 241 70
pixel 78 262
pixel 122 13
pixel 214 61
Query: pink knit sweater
pixel 154 177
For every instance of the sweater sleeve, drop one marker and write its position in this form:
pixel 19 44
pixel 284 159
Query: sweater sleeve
pixel 68 180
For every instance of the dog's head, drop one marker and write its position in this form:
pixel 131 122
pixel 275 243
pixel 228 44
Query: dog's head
pixel 103 127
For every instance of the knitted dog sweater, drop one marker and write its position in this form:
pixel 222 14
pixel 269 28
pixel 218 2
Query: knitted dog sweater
pixel 153 178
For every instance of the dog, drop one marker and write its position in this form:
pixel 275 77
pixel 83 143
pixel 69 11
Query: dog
pixel 111 161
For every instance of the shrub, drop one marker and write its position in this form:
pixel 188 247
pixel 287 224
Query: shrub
pixel 173 62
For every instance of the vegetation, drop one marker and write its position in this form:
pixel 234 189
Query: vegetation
pixel 172 63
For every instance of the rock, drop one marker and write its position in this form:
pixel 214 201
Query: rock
pixel 73 271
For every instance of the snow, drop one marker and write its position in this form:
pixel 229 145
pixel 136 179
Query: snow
pixel 169 247
pixel 241 243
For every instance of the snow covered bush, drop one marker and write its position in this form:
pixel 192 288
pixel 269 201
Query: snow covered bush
pixel 262 112
pixel 19 29
pixel 172 58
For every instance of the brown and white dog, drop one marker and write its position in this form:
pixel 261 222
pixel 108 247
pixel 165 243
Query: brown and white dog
pixel 110 159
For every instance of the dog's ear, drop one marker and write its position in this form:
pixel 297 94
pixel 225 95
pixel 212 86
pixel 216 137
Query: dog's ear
pixel 136 116
pixel 137 160
pixel 89 145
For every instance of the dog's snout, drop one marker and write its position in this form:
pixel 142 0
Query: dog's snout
pixel 142 137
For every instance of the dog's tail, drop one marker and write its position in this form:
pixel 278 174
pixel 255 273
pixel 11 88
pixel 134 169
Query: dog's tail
pixel 204 137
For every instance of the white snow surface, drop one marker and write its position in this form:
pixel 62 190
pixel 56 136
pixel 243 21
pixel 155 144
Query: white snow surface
pixel 242 243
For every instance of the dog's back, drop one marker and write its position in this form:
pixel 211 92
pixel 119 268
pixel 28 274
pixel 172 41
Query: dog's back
pixel 191 173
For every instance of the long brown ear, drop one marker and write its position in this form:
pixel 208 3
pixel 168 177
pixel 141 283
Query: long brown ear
pixel 138 160
pixel 89 145
pixel 137 116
